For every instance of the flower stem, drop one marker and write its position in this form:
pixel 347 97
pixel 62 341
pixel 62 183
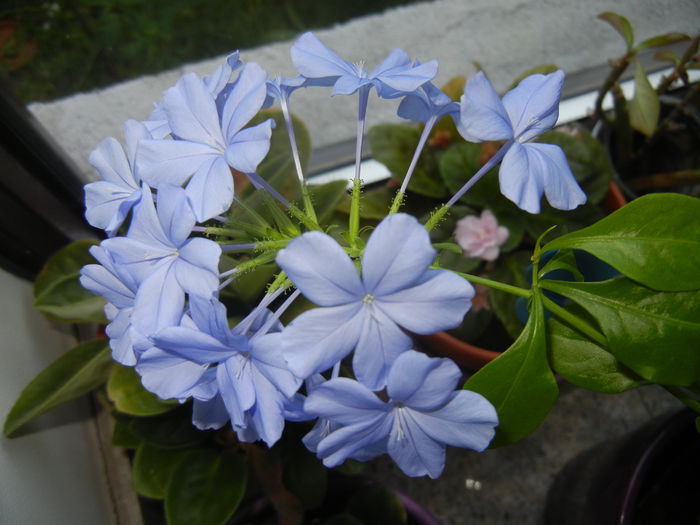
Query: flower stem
pixel 306 198
pixel 354 224
pixel 482 171
pixel 508 288
pixel 683 395
pixel 414 161
pixel 361 114
pixel 576 322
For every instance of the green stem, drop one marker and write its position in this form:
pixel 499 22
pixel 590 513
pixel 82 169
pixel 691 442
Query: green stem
pixel 306 220
pixel 354 225
pixel 575 322
pixel 436 217
pixel 398 201
pixel 618 69
pixel 508 288
pixel 236 233
pixel 683 396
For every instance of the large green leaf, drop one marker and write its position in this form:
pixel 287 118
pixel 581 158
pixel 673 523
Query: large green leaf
pixel 654 333
pixel 173 429
pixel 377 505
pixel 125 390
pixel 57 290
pixel 306 477
pixel 326 197
pixel 661 40
pixel 654 240
pixel 509 270
pixel 519 383
pixel 645 106
pixel 206 488
pixel 153 467
pixel 75 373
pixel 586 364
pixel 393 145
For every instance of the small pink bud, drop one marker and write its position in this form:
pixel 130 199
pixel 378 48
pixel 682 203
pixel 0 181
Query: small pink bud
pixel 481 237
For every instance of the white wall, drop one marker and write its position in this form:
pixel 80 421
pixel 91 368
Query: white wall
pixel 54 474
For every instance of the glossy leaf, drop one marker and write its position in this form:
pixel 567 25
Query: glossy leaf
pixel 124 389
pixel 586 364
pixel 661 40
pixel 644 108
pixel 75 373
pixel 57 290
pixel 621 25
pixel 393 145
pixel 519 383
pixel 654 333
pixel 206 488
pixel 152 469
pixel 652 240
pixel 123 435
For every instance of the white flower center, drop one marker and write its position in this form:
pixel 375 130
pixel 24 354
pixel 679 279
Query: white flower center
pixel 368 298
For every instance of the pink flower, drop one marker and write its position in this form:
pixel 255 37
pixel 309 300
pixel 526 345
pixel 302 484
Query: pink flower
pixel 481 237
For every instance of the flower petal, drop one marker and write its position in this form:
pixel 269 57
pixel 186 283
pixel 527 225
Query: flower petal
pixel 191 111
pixel 560 186
pixel 236 387
pixel 319 338
pixel 381 342
pixel 210 190
pixel 159 301
pixel 172 161
pixel 210 414
pixel 175 214
pixel 413 450
pixel 321 269
pixel 351 441
pixel 421 382
pixel 192 345
pixel 344 401
pixel 111 163
pixel 533 105
pixel 248 147
pixel 468 420
pixel 269 360
pixel 438 302
pixel 314 60
pixel 521 177
pixel 397 255
pixel 482 115
pixel 245 99
pixel 167 375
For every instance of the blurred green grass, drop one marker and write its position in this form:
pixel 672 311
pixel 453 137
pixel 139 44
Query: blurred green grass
pixel 51 49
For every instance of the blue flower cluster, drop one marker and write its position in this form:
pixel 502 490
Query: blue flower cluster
pixel 162 279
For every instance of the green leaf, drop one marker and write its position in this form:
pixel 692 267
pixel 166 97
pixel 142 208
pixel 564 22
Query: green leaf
pixel 75 373
pixel 654 333
pixel 519 383
pixel 173 429
pixel 124 389
pixel 543 69
pixel 394 145
pixel 563 260
pixel 377 505
pixel 652 240
pixel 326 197
pixel 621 25
pixel 342 519
pixel 661 40
pixel 123 435
pixel 374 205
pixel 206 488
pixel 587 159
pixel 57 290
pixel 586 364
pixel 645 107
pixel 152 469
pixel 306 477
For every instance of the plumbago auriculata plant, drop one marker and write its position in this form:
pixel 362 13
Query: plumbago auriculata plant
pixel 179 234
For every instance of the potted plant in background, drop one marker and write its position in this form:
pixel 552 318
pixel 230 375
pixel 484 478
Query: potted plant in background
pixel 216 351
pixel 652 136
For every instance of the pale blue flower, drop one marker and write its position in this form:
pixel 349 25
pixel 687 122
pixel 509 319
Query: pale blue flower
pixel 423 414
pixel 159 253
pixel 395 73
pixel 528 169
pixel 427 103
pixel 218 85
pixel 108 202
pixel 250 378
pixel 208 143
pixel 370 313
